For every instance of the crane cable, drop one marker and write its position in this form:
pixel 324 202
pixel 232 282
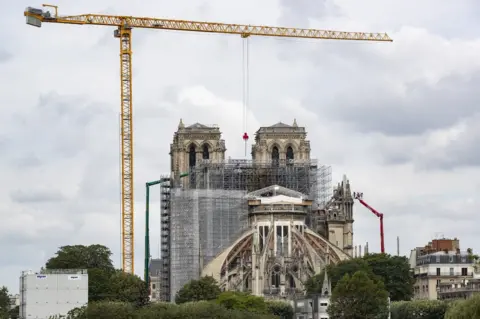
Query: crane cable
pixel 245 65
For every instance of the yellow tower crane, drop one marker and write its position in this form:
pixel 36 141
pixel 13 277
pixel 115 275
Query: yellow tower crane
pixel 124 25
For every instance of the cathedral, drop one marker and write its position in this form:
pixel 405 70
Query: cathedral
pixel 263 225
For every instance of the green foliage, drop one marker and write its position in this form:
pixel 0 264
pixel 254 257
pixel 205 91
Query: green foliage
pixel 81 257
pixel 242 301
pixel 280 309
pixel 110 310
pixel 358 297
pixel 336 273
pixel 394 271
pixel 128 288
pixel 108 285
pixel 419 309
pixel 14 313
pixel 99 284
pixel 206 288
pixel 4 303
pixel 465 309
pixel 104 282
pixel 189 310
pixel 158 311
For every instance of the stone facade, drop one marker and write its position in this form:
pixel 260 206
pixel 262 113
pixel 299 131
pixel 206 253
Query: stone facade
pixel 281 142
pixel 193 143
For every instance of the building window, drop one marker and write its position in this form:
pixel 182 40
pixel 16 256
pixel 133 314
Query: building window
pixel 438 271
pixel 437 258
pixel 451 272
pixel 192 156
pixel 275 155
pixel 464 272
pixel 206 154
pixel 153 286
pixel 290 156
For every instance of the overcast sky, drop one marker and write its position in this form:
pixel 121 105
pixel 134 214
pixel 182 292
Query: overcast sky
pixel 400 119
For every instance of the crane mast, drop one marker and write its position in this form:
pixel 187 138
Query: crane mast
pixel 359 197
pixel 124 24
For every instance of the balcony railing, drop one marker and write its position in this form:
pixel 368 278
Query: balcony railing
pixel 449 289
pixel 444 274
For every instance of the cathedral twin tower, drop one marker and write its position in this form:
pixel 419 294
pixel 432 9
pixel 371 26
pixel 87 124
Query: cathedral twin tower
pixel 279 143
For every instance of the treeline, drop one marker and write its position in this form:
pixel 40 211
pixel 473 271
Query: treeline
pixel 437 309
pixel 228 305
pixel 374 279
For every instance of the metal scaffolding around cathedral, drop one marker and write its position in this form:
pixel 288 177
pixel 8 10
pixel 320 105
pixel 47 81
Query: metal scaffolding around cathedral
pixel 230 215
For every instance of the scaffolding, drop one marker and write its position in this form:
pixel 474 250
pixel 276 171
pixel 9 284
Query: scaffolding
pixel 203 215
pixel 304 176
pixel 165 240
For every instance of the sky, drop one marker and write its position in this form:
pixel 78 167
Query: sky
pixel 397 118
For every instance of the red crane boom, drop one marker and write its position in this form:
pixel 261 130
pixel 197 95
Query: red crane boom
pixel 359 197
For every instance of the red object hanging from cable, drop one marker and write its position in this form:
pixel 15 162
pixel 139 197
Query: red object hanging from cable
pixel 245 136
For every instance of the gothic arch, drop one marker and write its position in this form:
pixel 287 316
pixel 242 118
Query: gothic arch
pixel 275 155
pixel 192 155
pixel 272 145
pixel 209 145
pixel 205 151
pixel 291 144
pixel 190 143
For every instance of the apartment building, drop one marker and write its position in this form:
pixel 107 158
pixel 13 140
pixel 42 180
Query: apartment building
pixel 439 264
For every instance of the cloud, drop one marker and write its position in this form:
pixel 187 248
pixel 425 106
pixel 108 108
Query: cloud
pixel 35 196
pixel 5 56
pixel 398 118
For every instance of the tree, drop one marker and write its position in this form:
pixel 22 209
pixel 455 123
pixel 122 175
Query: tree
pixel 99 284
pixel 206 288
pixel 14 312
pixel 336 273
pixel 104 282
pixel 4 303
pixel 358 297
pixel 81 257
pixel 465 309
pixel 242 301
pixel 128 288
pixel 395 273
pixel 419 309
pixel 280 309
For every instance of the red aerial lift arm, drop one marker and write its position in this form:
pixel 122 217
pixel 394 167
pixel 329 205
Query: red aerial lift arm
pixel 359 197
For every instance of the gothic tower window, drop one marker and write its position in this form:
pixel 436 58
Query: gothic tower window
pixel 192 160
pixel 275 155
pixel 206 154
pixel 290 155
